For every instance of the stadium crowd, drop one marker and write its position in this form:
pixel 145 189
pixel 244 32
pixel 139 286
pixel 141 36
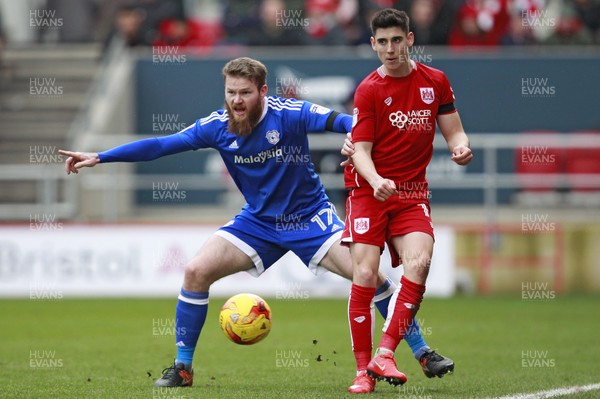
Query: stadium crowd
pixel 207 23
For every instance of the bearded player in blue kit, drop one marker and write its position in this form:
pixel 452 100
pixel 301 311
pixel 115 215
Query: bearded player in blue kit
pixel 255 136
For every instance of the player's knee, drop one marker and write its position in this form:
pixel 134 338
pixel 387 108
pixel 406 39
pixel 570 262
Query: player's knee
pixel 198 274
pixel 365 276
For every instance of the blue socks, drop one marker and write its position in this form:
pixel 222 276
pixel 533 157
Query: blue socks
pixel 190 316
pixel 413 336
pixel 192 308
pixel 383 294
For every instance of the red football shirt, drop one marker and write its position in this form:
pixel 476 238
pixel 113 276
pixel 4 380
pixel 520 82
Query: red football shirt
pixel 398 116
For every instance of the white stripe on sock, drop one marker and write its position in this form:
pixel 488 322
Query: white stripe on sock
pixel 193 301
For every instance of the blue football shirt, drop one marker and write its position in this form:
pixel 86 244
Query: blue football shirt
pixel 271 166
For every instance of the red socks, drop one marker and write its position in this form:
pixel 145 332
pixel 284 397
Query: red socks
pixel 404 310
pixel 361 317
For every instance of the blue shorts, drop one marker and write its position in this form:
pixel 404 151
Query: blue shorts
pixel 309 237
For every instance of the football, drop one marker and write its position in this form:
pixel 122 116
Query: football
pixel 245 319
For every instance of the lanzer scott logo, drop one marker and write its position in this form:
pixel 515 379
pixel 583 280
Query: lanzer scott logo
pixel 427 95
pixel 272 137
pixel 361 225
pixel 416 119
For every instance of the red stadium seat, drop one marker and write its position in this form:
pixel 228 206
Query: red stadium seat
pixel 535 156
pixel 584 161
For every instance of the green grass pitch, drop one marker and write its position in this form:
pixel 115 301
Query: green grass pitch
pixel 116 348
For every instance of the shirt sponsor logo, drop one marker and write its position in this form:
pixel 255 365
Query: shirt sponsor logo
pixel 361 225
pixel 427 95
pixel 261 157
pixel 416 119
pixel 317 109
pixel 272 137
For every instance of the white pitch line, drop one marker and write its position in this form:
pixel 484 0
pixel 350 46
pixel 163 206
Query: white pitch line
pixel 552 393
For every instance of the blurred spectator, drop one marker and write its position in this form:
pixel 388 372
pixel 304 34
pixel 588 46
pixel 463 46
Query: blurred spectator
pixel 241 20
pixel 348 16
pixel 128 25
pixel 589 11
pixel 366 10
pixel 324 24
pixel 430 20
pixel 187 33
pixel 279 25
pixel 518 33
pixel 138 21
pixel 525 22
pixel 156 11
pixel 480 23
pixel 570 27
pixel 78 20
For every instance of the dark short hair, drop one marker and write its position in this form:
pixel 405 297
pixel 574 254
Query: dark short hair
pixel 388 18
pixel 248 68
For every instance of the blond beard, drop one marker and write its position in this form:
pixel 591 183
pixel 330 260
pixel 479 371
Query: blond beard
pixel 244 127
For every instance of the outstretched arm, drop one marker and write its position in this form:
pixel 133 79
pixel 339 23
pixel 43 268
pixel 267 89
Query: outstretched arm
pixel 141 150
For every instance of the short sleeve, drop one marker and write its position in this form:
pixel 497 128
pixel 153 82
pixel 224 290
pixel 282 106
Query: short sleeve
pixel 446 97
pixel 363 115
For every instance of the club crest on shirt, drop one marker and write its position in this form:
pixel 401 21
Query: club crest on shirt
pixel 361 225
pixel 427 95
pixel 272 137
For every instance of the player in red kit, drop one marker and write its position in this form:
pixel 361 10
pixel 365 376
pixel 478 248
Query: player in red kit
pixel 396 110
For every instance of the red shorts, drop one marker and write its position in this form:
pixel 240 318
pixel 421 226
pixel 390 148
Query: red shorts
pixel 370 221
